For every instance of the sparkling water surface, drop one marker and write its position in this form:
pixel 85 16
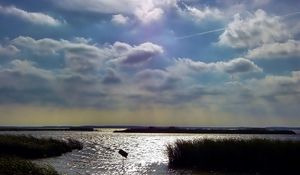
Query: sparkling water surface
pixel 147 152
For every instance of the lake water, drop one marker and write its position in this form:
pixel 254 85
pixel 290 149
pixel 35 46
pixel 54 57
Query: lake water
pixel 147 152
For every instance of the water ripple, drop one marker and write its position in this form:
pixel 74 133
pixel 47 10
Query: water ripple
pixel 146 152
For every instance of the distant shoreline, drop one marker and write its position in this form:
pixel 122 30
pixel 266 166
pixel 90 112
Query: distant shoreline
pixel 47 129
pixel 143 129
pixel 205 130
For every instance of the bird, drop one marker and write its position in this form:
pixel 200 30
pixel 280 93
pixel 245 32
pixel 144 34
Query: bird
pixel 123 153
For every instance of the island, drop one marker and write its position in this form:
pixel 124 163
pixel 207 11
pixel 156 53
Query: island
pixel 205 130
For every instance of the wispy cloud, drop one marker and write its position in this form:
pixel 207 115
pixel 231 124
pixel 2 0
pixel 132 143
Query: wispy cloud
pixel 200 33
pixel 32 17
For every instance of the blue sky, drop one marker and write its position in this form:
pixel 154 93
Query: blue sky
pixel 150 62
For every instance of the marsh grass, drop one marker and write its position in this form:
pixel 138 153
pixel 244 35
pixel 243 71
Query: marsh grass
pixel 17 166
pixel 15 150
pixel 31 148
pixel 231 155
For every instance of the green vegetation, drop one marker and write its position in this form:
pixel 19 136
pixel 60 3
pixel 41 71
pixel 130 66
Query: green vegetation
pixel 17 166
pixel 231 155
pixel 30 147
pixel 15 149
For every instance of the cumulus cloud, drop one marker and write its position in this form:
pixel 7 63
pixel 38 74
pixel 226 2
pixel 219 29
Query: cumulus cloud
pixel 8 50
pixel 98 6
pixel 132 55
pixel 203 14
pixel 87 57
pixel 26 67
pixel 156 80
pixel 289 49
pixel 278 85
pixel 79 56
pixel 32 17
pixel 41 47
pixel 280 93
pixel 149 15
pixel 120 19
pixel 257 29
pixel 145 11
pixel 237 65
pixel 23 82
pixel 111 77
pixel 48 46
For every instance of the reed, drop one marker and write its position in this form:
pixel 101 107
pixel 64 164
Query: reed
pixel 17 166
pixel 31 148
pixel 15 150
pixel 231 155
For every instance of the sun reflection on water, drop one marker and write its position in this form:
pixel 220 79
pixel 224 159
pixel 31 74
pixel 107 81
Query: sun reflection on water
pixel 147 152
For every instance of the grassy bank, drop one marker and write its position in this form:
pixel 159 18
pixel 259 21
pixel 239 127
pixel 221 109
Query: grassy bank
pixel 15 150
pixel 256 155
pixel 17 166
pixel 30 147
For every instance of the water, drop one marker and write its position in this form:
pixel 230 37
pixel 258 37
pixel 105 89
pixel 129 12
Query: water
pixel 147 152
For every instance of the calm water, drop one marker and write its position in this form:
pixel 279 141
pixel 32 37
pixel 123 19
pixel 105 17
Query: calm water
pixel 146 151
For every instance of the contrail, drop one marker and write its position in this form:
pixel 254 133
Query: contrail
pixel 200 33
pixel 290 14
pixel 222 29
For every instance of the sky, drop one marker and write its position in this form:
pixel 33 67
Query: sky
pixel 150 62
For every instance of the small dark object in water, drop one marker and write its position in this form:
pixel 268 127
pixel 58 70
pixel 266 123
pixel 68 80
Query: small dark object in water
pixel 123 153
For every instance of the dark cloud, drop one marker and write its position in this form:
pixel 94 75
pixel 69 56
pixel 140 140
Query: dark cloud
pixel 141 53
pixel 111 78
pixel 155 80
pixel 240 65
pixel 23 83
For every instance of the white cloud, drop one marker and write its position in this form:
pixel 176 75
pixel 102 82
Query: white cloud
pixel 113 6
pixel 22 74
pixel 120 19
pixel 132 55
pixel 86 57
pixel 148 16
pixel 146 11
pixel 48 46
pixel 288 49
pixel 203 14
pixel 8 50
pixel 26 67
pixel 254 30
pixel 32 17
pixel 277 86
pixel 237 65
pixel 98 6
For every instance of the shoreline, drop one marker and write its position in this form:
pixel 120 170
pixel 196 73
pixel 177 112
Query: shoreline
pixel 18 151
pixel 142 129
pixel 205 130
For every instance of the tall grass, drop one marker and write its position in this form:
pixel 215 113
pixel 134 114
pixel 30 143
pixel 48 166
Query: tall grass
pixel 15 149
pixel 17 166
pixel 30 147
pixel 231 155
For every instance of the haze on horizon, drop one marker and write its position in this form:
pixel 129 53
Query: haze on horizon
pixel 150 62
